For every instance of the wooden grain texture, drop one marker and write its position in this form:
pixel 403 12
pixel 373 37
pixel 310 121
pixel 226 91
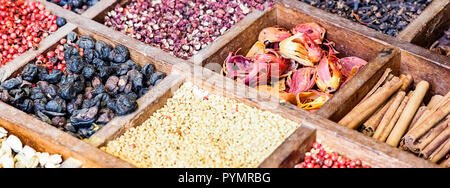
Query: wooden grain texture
pixel 293 150
pixel 44 137
pixel 429 26
pixel 149 103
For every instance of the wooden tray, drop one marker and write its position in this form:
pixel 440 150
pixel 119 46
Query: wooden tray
pixel 382 51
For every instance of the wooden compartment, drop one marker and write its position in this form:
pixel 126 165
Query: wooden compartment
pixel 348 42
pixel 66 143
pixel 204 53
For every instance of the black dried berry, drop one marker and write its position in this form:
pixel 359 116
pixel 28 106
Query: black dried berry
pixel 70 51
pixel 124 105
pixel 67 92
pixel 137 79
pixel 133 65
pixel 119 54
pixel 58 121
pixel 155 78
pixel 103 50
pixel 111 84
pixel 106 71
pixel 26 106
pixel 76 3
pixel 11 83
pixel 51 91
pixel 41 72
pixel 53 77
pixel 86 132
pixel 84 118
pixel 43 117
pixel 72 37
pixel 106 115
pixel 36 93
pixel 98 89
pixel 90 55
pixel 148 70
pixel 60 21
pixel 30 72
pixel 39 104
pixel 75 64
pixel 99 63
pixel 88 71
pixel 56 105
pixel 86 42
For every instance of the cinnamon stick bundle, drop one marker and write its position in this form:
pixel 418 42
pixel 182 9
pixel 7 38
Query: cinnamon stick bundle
pixel 383 135
pixel 369 127
pixel 397 100
pixel 428 123
pixel 421 143
pixel 381 81
pixel 436 143
pixel 408 113
pixel 440 152
pixel 368 107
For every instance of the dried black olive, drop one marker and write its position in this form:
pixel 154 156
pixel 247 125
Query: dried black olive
pixel 11 83
pixel 53 77
pixel 90 55
pixel 84 118
pixel 148 70
pixel 111 84
pixel 119 54
pixel 86 132
pixel 58 121
pixel 103 49
pixel 88 71
pixel 72 37
pixel 75 64
pixel 67 92
pixel 26 106
pixel 43 117
pixel 51 91
pixel 99 63
pixel 30 72
pixel 70 51
pixel 137 79
pixel 124 105
pixel 39 104
pixel 56 105
pixel 152 81
pixel 41 72
pixel 86 42
pixel 106 115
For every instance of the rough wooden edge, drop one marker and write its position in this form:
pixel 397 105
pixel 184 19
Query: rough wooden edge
pixel 292 150
pixel 347 93
pixel 53 140
pixel 98 8
pixel 426 22
pixel 148 104
pixel 223 40
pixel 29 55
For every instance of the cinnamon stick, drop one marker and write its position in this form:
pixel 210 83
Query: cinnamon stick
pixel 440 152
pixel 373 122
pixel 408 113
pixel 421 143
pixel 396 101
pixel 418 115
pixel 435 100
pixel 380 82
pixel 407 82
pixel 428 123
pixel 368 107
pixel 432 107
pixel 384 135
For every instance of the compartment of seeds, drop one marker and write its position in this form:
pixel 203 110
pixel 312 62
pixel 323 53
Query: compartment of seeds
pixel 82 83
pixel 196 128
pixel 181 28
pixel 406 107
pixel 300 59
pixel 24 26
pixel 387 16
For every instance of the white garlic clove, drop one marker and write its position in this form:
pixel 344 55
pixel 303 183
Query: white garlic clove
pixel 3 132
pixel 5 150
pixel 14 143
pixel 43 158
pixel 55 159
pixel 32 162
pixel 28 152
pixel 7 161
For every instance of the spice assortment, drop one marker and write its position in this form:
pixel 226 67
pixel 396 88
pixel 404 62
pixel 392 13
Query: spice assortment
pixel 299 66
pixel 14 155
pixel 323 157
pixel 197 129
pixel 394 113
pixel 81 85
pixel 442 46
pixel 23 26
pixel 77 6
pixel 387 16
pixel 180 27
